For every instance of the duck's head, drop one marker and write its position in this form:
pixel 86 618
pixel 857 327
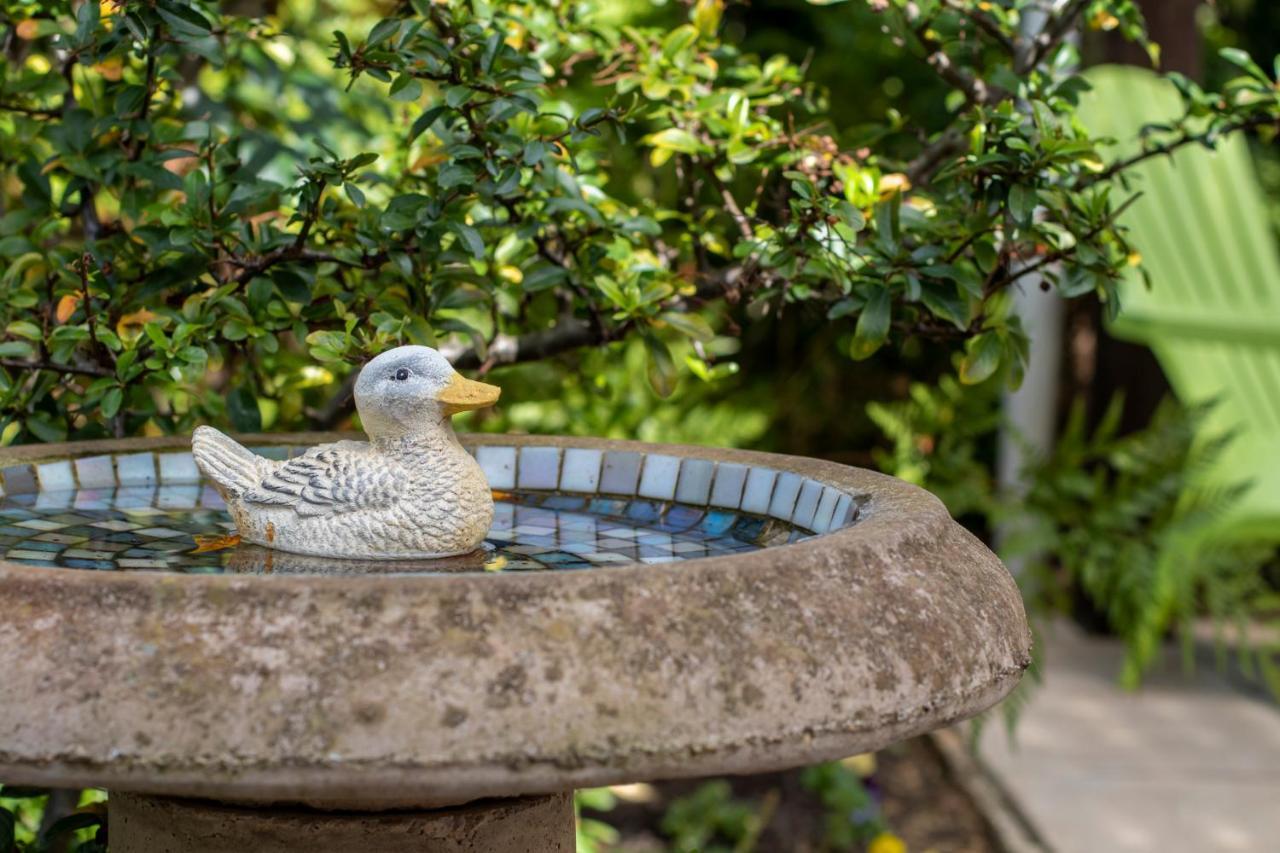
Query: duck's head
pixel 411 388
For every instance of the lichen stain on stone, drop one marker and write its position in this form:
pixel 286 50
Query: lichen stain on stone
pixel 370 713
pixel 454 717
pixel 509 688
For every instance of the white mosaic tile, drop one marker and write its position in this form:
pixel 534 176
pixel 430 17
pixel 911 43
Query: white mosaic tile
pixel 135 497
pixel 539 467
pixel 843 512
pixel 55 476
pixel 783 504
pixel 621 473
pixel 19 479
pixel 658 479
pixel 499 466
pixel 96 472
pixel 758 490
pixel 178 467
pixel 93 499
pixel 581 470
pixel 178 497
pixel 136 469
pixel 694 486
pixel 729 482
pixel 55 499
pixel 825 510
pixel 807 504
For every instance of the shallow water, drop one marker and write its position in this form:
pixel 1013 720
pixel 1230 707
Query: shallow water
pixel 154 528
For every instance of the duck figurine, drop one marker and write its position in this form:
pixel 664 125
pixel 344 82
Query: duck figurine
pixel 410 492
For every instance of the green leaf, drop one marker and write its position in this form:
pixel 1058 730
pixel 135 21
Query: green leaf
pixel 689 324
pixel 16 349
pixel 946 302
pixel 293 287
pixel 1022 203
pixel 45 429
pixel 234 330
pixel 184 19
pixel 1243 60
pixel 675 139
pixel 424 121
pixel 981 358
pixel 7 831
pixel 470 238
pixel 354 193
pixel 543 277
pixel 111 402
pixel 242 408
pixel 661 368
pixel 873 325
pixel 72 823
pixel 382 31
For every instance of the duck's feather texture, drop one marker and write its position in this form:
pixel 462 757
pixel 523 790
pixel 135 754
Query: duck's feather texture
pixel 232 466
pixel 335 478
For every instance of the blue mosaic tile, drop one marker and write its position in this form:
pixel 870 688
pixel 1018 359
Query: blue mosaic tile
pixel 632 509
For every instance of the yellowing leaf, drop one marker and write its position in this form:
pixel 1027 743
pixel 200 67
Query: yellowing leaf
pixel 205 544
pixel 706 16
pixel 66 307
pixel 111 69
pixel 1104 20
pixel 864 764
pixel 28 29
pixel 894 182
pixel 430 157
pixel 130 325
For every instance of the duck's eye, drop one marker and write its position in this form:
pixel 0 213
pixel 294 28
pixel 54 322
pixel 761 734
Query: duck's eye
pixel 402 374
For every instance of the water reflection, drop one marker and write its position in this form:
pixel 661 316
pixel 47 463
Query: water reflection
pixel 156 528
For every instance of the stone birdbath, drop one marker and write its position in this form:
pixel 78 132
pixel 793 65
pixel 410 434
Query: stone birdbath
pixel 639 612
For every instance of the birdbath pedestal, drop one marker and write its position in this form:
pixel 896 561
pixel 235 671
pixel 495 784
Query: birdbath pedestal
pixel 639 612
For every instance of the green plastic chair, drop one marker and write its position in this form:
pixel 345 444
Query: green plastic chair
pixel 1212 314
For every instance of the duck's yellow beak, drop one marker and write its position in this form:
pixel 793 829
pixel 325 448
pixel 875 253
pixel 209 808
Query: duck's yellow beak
pixel 463 395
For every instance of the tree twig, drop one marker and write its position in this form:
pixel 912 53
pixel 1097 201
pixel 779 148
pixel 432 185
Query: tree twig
pixel 56 367
pixel 983 22
pixel 1184 138
pixel 1051 35
pixel 931 158
pixel 34 112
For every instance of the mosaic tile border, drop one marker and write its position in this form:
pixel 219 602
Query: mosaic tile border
pixel 800 501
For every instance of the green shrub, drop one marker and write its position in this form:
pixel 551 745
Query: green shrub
pixel 209 217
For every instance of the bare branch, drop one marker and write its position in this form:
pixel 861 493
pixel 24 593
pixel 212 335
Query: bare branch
pixel 572 333
pixel 931 158
pixel 57 367
pixel 1182 139
pixel 34 112
pixel 986 24
pixel 1052 35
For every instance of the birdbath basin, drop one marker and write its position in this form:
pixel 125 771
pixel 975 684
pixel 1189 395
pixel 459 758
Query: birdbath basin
pixel 639 611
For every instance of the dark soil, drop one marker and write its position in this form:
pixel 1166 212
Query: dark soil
pixel 917 797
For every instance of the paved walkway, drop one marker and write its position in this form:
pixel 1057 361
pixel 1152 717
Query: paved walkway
pixel 1190 763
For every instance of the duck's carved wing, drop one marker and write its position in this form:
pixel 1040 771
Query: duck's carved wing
pixel 332 479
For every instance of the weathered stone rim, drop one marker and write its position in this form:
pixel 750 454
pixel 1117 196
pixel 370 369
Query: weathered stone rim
pixel 850 640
